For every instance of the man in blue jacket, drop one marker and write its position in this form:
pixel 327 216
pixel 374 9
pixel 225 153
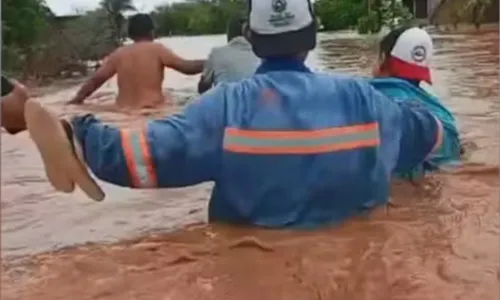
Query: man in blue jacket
pixel 285 148
pixel 403 73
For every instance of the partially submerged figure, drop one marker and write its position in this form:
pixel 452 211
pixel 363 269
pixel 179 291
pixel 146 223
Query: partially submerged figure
pixel 285 147
pixel 232 62
pixel 403 73
pixel 139 67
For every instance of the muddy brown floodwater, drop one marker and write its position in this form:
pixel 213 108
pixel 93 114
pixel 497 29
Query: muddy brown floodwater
pixel 439 239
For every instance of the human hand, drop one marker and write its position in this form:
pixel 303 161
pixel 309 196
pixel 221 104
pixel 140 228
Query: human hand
pixel 74 101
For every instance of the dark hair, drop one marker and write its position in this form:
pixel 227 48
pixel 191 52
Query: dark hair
pixel 140 26
pixel 235 27
pixel 388 42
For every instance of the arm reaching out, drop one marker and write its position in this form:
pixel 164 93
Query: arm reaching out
pixel 185 66
pixel 180 150
pixel 105 72
pixel 409 133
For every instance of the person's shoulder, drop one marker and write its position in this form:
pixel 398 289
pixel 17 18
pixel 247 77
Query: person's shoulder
pixel 157 48
pixel 346 81
pixel 391 82
pixel 400 88
pixel 218 51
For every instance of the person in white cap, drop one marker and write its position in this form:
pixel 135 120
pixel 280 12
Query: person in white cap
pixel 404 73
pixel 285 147
pixel 405 52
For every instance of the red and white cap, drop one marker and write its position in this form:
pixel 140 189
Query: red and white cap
pixel 411 54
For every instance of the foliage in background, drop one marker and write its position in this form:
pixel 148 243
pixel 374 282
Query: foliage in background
pixel 369 23
pixel 196 16
pixel 476 12
pixel 77 40
pixel 114 10
pixel 394 13
pixel 37 43
pixel 24 25
pixel 339 14
pixel 384 13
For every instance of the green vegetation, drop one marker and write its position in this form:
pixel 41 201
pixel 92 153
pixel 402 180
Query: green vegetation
pixel 196 16
pixel 114 10
pixel 23 28
pixel 474 11
pixel 37 43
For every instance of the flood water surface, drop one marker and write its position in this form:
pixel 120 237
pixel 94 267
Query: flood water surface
pixel 439 238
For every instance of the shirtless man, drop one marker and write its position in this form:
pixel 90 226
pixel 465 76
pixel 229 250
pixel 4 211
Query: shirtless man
pixel 140 68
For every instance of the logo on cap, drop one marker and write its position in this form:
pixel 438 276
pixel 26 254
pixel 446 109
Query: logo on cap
pixel 279 6
pixel 419 54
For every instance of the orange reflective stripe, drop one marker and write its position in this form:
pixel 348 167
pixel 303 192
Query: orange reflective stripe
pixel 303 150
pixel 301 133
pixel 129 156
pixel 301 142
pixel 148 159
pixel 138 158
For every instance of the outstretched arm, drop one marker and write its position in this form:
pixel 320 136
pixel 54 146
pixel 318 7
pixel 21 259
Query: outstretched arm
pixel 105 72
pixel 185 66
pixel 181 150
pixel 406 126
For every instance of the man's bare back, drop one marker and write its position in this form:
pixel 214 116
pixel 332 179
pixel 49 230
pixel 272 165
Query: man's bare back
pixel 140 71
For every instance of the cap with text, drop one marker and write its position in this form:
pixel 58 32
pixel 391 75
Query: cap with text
pixel 281 27
pixel 411 54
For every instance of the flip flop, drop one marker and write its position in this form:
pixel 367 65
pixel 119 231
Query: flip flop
pixel 60 156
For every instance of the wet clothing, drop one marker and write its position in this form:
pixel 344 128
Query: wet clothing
pixel 418 93
pixel 231 62
pixel 7 86
pixel 285 147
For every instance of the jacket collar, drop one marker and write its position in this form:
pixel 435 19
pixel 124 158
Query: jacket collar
pixel 282 64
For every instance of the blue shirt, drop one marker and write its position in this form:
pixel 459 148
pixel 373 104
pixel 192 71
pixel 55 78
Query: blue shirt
pixel 285 148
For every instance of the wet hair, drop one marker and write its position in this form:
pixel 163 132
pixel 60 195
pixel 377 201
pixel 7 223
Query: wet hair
pixel 140 26
pixel 235 27
pixel 388 42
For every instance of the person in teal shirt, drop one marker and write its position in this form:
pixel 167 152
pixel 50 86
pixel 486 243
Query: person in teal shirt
pixel 403 73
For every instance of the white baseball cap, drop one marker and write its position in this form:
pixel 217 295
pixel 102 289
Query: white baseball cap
pixel 281 27
pixel 409 53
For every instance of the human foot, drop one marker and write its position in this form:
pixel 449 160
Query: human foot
pixel 60 152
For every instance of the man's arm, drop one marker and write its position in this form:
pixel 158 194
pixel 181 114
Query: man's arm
pixel 408 127
pixel 185 66
pixel 180 150
pixel 105 72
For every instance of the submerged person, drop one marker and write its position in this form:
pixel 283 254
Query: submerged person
pixel 233 61
pixel 403 73
pixel 139 68
pixel 14 96
pixel 285 147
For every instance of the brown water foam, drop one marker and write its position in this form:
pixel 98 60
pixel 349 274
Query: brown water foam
pixel 438 239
